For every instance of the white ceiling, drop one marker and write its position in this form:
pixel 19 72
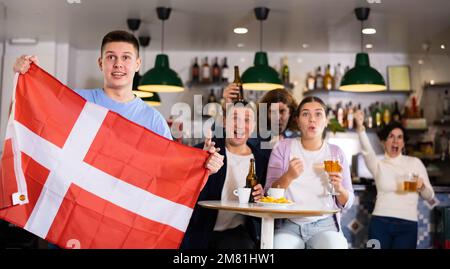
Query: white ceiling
pixel 326 25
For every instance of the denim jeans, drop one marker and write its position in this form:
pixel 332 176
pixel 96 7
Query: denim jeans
pixel 393 233
pixel 321 234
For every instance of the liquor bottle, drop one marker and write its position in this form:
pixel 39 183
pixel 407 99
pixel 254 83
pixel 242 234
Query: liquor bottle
pixel 212 109
pixel 337 76
pixel 251 180
pixel 386 115
pixel 396 115
pixel 310 80
pixel 350 117
pixel 369 119
pixel 340 114
pixel 328 80
pixel 285 71
pixel 377 115
pixel 319 79
pixel 195 71
pixel 446 106
pixel 206 71
pixel 212 98
pixel 216 71
pixel 225 70
pixel 238 81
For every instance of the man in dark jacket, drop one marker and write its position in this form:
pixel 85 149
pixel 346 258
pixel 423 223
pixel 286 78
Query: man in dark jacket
pixel 215 229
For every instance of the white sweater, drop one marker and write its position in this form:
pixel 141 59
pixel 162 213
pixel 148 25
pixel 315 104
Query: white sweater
pixel 387 173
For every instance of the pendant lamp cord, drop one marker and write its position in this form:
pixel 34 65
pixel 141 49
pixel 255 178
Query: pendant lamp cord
pixel 260 34
pixel 162 38
pixel 362 37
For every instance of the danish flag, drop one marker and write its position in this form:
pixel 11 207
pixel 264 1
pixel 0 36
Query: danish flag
pixel 77 174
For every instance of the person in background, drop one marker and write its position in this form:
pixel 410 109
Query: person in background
pixel 281 106
pixel 210 228
pixel 394 218
pixel 296 164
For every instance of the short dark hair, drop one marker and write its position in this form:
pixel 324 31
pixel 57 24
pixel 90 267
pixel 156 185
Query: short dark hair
pixel 284 96
pixel 384 133
pixel 120 36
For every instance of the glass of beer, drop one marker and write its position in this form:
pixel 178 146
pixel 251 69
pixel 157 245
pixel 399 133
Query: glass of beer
pixel 410 183
pixel 332 166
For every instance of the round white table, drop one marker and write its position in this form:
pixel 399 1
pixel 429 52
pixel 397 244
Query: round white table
pixel 268 214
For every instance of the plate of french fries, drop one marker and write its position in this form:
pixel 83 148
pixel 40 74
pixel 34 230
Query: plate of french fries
pixel 273 202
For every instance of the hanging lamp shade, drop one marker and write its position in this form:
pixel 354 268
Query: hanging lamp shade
pixel 154 100
pixel 138 93
pixel 261 77
pixel 161 78
pixel 362 77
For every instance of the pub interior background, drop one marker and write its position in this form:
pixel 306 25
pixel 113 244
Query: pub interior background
pixel 303 35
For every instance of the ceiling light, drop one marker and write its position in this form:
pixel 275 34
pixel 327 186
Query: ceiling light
pixel 261 76
pixel 369 31
pixel 161 78
pixel 362 77
pixel 443 46
pixel 240 45
pixel 420 61
pixel 369 46
pixel 304 45
pixel 240 30
pixel 23 41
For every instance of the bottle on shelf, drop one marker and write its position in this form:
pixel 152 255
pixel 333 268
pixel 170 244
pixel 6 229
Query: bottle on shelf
pixel 340 114
pixel 350 116
pixel 216 71
pixel 396 115
pixel 225 70
pixel 212 98
pixel 251 179
pixel 368 120
pixel 238 81
pixel 446 106
pixel 318 79
pixel 310 81
pixel 386 115
pixel 285 71
pixel 328 80
pixel 377 115
pixel 195 72
pixel 206 71
pixel 337 76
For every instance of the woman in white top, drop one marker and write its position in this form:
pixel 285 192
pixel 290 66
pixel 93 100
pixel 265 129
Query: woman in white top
pixel 394 218
pixel 296 164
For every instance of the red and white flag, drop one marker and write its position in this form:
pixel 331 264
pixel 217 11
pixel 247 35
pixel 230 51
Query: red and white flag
pixel 79 175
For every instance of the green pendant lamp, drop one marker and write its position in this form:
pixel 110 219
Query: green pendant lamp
pixel 261 77
pixel 153 100
pixel 161 78
pixel 150 98
pixel 362 77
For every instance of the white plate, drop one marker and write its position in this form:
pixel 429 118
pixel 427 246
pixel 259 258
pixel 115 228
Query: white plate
pixel 274 204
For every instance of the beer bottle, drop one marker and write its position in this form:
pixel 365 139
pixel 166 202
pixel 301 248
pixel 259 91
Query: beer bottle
pixel 251 180
pixel 238 81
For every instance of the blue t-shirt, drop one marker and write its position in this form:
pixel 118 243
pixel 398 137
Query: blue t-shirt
pixel 136 110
